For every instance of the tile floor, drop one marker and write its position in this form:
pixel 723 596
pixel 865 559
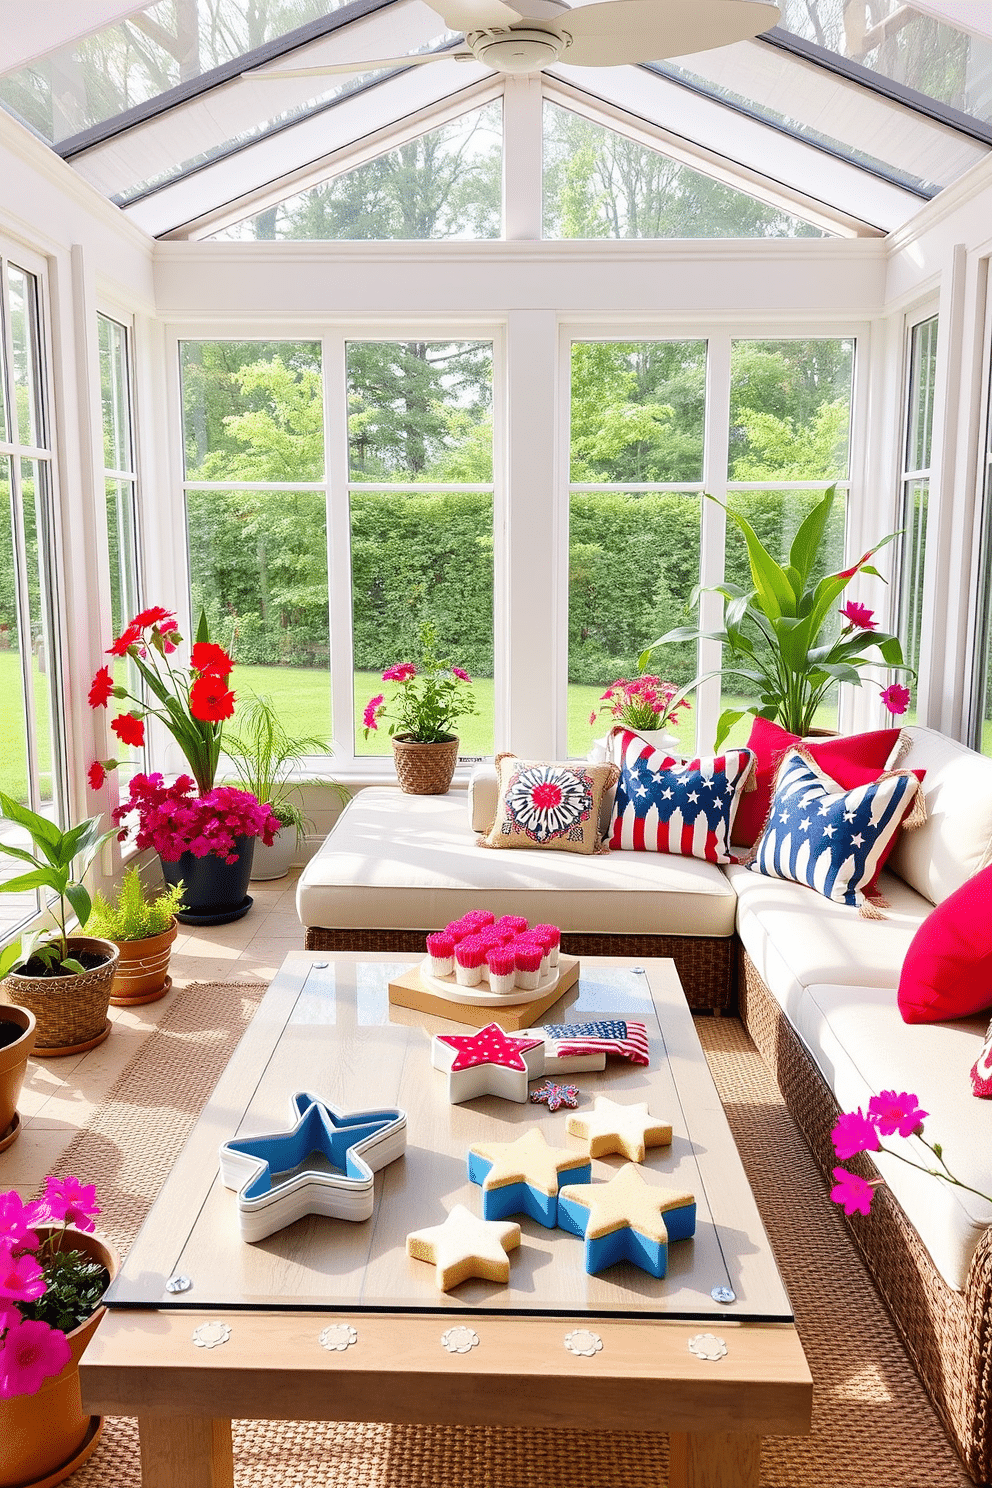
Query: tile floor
pixel 59 1094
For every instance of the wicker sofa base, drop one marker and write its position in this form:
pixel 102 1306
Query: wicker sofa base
pixel 706 964
pixel 948 1334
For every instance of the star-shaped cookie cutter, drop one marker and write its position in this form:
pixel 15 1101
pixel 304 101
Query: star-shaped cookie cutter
pixel 278 1181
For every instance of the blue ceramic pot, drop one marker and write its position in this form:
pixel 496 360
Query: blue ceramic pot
pixel 215 891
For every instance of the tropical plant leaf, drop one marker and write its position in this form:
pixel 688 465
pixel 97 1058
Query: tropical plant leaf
pixel 41 878
pixel 726 722
pixel 808 540
pixel 69 963
pixel 78 896
pixel 773 590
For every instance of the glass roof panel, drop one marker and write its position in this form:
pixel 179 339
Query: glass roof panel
pixel 445 183
pixel 833 112
pixel 600 184
pixel 157 49
pixel 891 39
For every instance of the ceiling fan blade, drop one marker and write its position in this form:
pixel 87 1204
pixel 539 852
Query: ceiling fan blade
pixel 626 31
pixel 419 60
pixel 474 15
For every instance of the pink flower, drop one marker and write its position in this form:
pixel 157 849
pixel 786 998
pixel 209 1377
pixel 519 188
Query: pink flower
pixel 371 711
pixel 21 1278
pixel 896 1113
pixel 16 1219
pixel 853 1192
pixel 402 672
pixel 174 819
pixel 858 615
pixel 461 675
pixel 32 1352
pixel 854 1132
pixel 67 1201
pixel 592 718
pixel 896 697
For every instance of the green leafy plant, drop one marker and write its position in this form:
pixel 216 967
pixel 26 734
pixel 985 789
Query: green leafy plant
pixel 264 754
pixel 133 916
pixel 432 696
pixel 59 863
pixel 775 631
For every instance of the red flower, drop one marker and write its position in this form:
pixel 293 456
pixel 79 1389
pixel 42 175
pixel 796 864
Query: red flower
pixel 129 730
pixel 210 659
pixel 101 688
pixel 858 615
pixel 209 699
pixel 124 642
pixel 96 775
pixel 149 617
pixel 896 697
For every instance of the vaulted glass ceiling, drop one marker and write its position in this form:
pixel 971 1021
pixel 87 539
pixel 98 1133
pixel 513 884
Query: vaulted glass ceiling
pixel 864 107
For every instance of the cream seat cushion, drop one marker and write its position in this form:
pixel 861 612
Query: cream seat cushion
pixel 400 862
pixel 861 1046
pixel 955 841
pixel 795 937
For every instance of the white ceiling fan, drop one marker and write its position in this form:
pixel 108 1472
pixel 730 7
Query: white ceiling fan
pixel 607 34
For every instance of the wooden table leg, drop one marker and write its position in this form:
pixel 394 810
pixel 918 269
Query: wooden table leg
pixel 716 1459
pixel 190 1450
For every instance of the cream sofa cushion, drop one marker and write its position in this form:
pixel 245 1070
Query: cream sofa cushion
pixel 795 937
pixel 956 839
pixel 861 1046
pixel 399 862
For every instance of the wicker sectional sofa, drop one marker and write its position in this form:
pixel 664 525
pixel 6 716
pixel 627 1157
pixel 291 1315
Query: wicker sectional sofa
pixel 813 981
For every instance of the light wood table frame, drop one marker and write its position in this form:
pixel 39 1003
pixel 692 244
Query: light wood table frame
pixel 325 1026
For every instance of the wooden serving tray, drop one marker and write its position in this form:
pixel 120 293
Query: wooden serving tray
pixel 409 990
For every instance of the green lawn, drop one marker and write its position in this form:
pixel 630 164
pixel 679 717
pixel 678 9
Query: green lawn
pixel 13 751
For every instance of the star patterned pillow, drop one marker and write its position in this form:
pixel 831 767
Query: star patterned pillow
pixel 670 805
pixel 830 839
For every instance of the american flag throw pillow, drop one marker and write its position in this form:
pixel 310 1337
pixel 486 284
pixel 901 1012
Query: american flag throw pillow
pixel 670 805
pixel 607 1036
pixel 828 838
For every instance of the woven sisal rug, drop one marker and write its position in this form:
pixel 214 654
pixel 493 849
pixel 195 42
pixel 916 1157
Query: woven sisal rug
pixel 873 1426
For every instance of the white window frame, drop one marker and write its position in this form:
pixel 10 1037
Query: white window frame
pixel 980 626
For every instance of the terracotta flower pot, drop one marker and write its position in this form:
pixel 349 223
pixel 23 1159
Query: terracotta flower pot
pixel 424 769
pixel 17 1036
pixel 142 968
pixel 71 1011
pixel 45 1437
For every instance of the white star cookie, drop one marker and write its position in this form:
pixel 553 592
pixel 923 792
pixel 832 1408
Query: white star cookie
pixel 465 1246
pixel 528 1159
pixel 613 1127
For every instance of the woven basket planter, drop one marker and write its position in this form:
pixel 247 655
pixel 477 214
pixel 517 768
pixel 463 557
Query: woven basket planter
pixel 71 1011
pixel 424 769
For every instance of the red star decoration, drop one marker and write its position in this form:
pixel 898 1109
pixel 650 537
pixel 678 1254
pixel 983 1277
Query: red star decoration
pixel 489 1046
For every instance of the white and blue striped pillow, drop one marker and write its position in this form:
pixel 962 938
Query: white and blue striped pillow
pixel 828 838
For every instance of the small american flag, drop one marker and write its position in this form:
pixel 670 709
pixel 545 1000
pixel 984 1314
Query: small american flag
pixel 609 1036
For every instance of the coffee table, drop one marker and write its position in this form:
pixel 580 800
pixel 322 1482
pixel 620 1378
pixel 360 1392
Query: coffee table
pixel 325 1026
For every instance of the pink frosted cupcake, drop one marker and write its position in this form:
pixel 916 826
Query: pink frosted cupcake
pixel 491 936
pixel 516 923
pixel 527 957
pixel 478 918
pixel 458 930
pixel 551 936
pixel 529 938
pixel 470 959
pixel 441 953
pixel 502 963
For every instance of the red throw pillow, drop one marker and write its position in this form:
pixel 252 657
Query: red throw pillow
pixel 854 759
pixel 768 742
pixel 947 972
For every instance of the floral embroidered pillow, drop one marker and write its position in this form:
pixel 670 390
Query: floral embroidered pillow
pixel 546 804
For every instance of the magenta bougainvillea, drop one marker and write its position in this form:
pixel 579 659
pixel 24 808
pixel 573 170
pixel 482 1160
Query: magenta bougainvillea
pixel 174 819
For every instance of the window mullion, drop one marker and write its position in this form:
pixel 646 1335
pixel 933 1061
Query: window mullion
pixel 713 530
pixel 339 585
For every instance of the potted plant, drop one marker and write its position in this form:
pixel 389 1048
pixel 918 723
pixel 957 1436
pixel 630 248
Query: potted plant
pixel 63 979
pixel 17 1036
pixel 430 700
pixel 645 704
pixel 776 632
pixel 56 1270
pixel 264 755
pixel 143 930
pixel 215 830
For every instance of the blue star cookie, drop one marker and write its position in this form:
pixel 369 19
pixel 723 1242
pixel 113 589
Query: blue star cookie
pixel 522 1177
pixel 626 1219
